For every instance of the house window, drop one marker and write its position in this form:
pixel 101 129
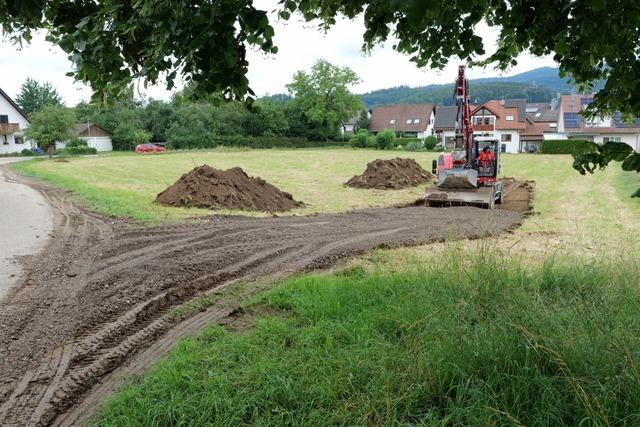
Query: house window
pixel 18 140
pixel 509 118
pixel 552 125
pixel 611 139
pixel 4 118
pixel 408 121
pixel 392 121
pixel 4 140
pixel 487 120
pixel 416 121
pixel 505 137
pixel 478 120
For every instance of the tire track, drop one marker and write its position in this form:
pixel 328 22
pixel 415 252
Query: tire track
pixel 101 301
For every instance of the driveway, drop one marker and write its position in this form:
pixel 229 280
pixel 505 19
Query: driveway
pixel 25 224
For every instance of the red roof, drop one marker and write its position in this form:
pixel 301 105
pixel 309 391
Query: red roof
pixel 396 117
pixel 501 112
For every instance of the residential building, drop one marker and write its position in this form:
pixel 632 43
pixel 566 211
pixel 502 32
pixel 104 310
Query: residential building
pixel 444 125
pixel 504 120
pixel 541 123
pixel 600 129
pixel 13 121
pixel 93 134
pixel 409 120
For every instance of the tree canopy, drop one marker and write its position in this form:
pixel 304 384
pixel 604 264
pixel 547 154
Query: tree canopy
pixel 112 42
pixel 323 94
pixel 52 124
pixel 34 96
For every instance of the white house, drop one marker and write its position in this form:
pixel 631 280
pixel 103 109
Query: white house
pixel 12 122
pixel 572 125
pixel 93 134
pixel 411 120
pixel 504 120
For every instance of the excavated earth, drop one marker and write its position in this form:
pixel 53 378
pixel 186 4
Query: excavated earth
pixel 105 300
pixel 206 187
pixel 391 174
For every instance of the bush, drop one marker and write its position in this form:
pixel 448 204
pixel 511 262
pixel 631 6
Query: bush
pixel 27 152
pixel 76 151
pixel 385 139
pixel 430 142
pixel 188 140
pixel 360 139
pixel 405 141
pixel 140 137
pixel 414 146
pixel 565 146
pixel 76 142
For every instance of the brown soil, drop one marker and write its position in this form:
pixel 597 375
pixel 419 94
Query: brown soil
pixel 206 187
pixel 98 303
pixel 391 174
pixel 518 196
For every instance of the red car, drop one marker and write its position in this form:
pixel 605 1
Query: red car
pixel 149 148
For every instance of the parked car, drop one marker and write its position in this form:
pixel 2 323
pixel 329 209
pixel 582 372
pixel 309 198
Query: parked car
pixel 149 148
pixel 37 151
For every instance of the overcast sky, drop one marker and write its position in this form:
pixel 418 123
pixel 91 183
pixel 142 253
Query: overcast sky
pixel 300 44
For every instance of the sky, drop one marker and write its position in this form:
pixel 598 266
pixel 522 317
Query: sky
pixel 300 44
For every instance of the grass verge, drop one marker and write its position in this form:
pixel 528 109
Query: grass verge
pixel 488 341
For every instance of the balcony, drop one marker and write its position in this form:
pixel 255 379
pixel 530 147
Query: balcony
pixel 483 128
pixel 8 128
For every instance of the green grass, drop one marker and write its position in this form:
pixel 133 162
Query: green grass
pixel 126 185
pixel 488 342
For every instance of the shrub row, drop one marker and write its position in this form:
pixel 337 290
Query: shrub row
pixel 565 146
pixel 212 141
pixel 78 150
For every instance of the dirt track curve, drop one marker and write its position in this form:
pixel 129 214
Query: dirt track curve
pixel 100 302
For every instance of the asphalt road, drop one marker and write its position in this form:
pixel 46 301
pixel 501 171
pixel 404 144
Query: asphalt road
pixel 25 223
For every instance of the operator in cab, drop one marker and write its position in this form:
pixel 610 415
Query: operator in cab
pixel 486 156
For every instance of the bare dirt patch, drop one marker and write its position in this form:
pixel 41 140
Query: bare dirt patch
pixel 518 196
pixel 206 187
pixel 99 302
pixel 391 174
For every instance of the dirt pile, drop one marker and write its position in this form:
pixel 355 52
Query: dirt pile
pixel 391 174
pixel 206 187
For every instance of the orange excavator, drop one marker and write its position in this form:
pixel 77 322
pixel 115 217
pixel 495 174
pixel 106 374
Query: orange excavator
pixel 468 175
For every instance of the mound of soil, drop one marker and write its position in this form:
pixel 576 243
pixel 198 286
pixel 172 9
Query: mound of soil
pixel 206 187
pixel 391 174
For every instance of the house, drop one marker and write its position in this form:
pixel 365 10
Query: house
pixel 444 125
pixel 12 122
pixel 599 129
pixel 93 134
pixel 408 120
pixel 541 124
pixel 504 120
pixel 349 127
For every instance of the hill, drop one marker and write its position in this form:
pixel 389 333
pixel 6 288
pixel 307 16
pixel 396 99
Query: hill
pixel 538 85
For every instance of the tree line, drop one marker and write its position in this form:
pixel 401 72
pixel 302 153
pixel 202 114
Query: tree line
pixel 319 104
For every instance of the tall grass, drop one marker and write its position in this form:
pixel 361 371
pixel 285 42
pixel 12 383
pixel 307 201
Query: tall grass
pixel 484 341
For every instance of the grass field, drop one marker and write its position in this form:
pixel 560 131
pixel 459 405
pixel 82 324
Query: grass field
pixel 538 327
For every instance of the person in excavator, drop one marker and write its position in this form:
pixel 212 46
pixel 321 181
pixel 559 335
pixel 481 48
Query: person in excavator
pixel 486 160
pixel 486 156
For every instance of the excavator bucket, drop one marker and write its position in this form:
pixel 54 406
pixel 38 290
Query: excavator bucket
pixel 484 197
pixel 458 179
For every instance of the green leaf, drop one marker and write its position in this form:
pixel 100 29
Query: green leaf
pixel 617 151
pixel 632 163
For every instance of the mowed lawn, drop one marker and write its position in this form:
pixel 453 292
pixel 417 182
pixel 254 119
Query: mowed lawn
pixel 127 184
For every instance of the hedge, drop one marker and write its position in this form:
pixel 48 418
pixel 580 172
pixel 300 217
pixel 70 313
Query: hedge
pixel 565 146
pixel 213 141
pixel 75 151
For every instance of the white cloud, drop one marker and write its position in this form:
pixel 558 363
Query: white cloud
pixel 300 45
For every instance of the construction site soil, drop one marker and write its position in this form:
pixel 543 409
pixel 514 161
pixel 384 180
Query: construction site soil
pixel 206 187
pixel 105 300
pixel 391 174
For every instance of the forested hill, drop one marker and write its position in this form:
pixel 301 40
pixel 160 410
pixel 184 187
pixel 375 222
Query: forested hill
pixel 536 85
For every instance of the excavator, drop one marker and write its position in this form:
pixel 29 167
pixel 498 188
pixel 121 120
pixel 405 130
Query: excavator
pixel 464 177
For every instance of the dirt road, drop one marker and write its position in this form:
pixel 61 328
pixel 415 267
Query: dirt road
pixel 24 226
pixel 102 303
